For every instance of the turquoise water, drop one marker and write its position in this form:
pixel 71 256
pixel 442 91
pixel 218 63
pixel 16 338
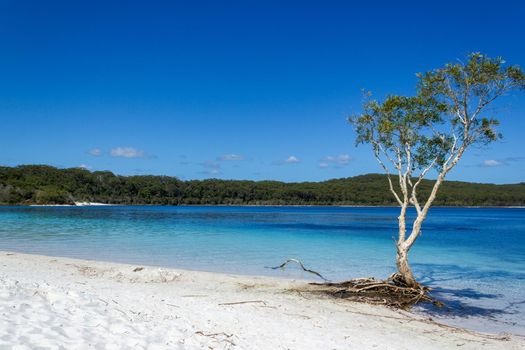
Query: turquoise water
pixel 474 257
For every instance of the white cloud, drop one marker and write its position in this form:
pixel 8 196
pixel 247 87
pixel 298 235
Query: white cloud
pixel 336 161
pixel 291 160
pixel 343 159
pixel 127 152
pixel 230 157
pixel 96 152
pixel 492 163
pixel 84 166
pixel 211 168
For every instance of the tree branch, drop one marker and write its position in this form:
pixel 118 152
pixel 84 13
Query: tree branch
pixel 283 265
pixel 414 199
pixel 376 151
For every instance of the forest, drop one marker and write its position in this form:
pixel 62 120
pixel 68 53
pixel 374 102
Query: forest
pixel 42 184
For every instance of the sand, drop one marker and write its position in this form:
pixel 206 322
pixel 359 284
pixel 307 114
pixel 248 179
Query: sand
pixel 48 302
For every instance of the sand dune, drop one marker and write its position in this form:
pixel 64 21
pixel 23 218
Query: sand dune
pixel 48 302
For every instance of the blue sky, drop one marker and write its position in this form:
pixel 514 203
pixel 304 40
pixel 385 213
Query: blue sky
pixel 243 90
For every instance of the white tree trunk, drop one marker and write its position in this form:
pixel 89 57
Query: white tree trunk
pixel 404 243
pixel 403 268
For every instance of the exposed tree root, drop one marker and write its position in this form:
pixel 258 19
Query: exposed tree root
pixel 390 292
pixel 393 292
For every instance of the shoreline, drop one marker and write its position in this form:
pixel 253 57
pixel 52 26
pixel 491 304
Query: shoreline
pixel 97 204
pixel 76 204
pixel 51 301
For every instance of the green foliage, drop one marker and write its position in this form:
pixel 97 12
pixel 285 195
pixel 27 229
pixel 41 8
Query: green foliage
pixel 467 88
pixel 403 122
pixel 52 194
pixel 39 184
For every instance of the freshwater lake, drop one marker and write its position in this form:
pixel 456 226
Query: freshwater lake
pixel 473 257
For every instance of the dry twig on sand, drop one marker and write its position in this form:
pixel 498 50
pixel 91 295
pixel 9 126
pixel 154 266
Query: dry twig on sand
pixel 218 336
pixel 244 302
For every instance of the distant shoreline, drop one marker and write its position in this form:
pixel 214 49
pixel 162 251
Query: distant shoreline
pixel 95 204
pixel 39 184
pixel 76 204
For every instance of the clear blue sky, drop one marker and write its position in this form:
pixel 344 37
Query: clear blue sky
pixel 243 90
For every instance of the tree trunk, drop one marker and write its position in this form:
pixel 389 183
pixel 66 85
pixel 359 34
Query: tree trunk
pixel 404 272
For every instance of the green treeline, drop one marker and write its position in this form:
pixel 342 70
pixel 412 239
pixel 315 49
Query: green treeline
pixel 41 184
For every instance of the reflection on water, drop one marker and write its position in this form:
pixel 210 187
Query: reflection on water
pixel 473 257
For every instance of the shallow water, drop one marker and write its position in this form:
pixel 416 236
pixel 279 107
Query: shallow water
pixel 474 257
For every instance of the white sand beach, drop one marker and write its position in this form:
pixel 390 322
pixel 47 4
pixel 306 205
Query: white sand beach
pixel 48 302
pixel 87 204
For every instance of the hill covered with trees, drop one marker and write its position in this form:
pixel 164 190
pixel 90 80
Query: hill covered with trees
pixel 41 184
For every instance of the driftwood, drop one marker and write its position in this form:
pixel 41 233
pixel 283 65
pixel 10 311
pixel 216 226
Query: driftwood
pixel 298 262
pixel 393 292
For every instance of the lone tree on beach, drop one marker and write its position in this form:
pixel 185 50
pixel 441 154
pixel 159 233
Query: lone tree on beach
pixel 429 132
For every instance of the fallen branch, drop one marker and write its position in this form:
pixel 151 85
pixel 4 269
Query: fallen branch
pixel 283 265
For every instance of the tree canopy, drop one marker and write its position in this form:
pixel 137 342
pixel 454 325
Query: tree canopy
pixel 413 135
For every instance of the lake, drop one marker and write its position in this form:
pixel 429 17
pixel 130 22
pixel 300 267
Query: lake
pixel 473 257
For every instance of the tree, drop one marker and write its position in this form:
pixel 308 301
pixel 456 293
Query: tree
pixel 413 136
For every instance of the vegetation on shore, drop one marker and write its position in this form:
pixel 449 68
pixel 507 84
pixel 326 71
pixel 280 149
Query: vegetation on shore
pixel 42 184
